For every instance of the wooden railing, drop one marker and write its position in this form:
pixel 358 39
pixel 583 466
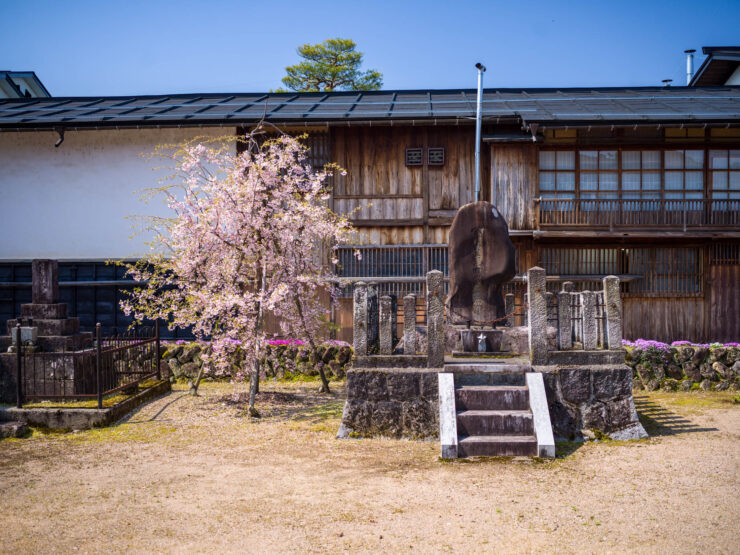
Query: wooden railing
pixel 639 213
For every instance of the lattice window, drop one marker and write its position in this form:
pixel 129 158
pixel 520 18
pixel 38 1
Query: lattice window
pixel 725 169
pixel 436 156
pixel 414 156
pixel 724 254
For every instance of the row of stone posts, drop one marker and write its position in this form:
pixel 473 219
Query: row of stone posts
pixel 375 320
pixel 541 309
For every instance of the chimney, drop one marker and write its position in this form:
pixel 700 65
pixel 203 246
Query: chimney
pixel 689 65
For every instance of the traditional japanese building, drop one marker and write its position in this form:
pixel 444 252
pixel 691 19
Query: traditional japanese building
pixel 640 182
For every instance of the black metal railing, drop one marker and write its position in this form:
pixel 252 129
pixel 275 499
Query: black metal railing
pixel 114 364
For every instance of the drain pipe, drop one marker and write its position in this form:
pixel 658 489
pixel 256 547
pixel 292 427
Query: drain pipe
pixel 481 70
pixel 689 65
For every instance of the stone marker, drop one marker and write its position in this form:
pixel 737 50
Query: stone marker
pixel 588 313
pixel 565 321
pixel 373 317
pixel 44 281
pixel 435 320
pixel 509 307
pixel 386 324
pixel 409 325
pixel 568 286
pixel 482 259
pixel 359 325
pixel 526 310
pixel 394 319
pixel 550 307
pixel 613 310
pixel 537 315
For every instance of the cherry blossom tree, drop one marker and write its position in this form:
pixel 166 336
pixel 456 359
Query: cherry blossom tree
pixel 250 232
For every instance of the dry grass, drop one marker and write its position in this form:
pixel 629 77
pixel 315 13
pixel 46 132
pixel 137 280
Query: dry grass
pixel 192 474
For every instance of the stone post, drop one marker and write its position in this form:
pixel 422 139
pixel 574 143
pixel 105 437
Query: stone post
pixel 526 310
pixel 565 321
pixel 373 318
pixel 435 320
pixel 386 323
pixel 537 315
pixel 44 281
pixel 568 286
pixel 588 313
pixel 613 310
pixel 359 324
pixel 394 320
pixel 550 307
pixel 409 325
pixel 509 308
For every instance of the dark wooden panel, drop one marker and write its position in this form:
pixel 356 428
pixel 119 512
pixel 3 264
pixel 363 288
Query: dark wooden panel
pixel 724 300
pixel 664 319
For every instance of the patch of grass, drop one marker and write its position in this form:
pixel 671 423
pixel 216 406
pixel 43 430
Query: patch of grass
pixel 694 399
pixel 109 401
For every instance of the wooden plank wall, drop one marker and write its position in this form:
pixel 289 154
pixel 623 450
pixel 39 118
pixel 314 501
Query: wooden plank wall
pixel 664 319
pixel 514 183
pixel 724 303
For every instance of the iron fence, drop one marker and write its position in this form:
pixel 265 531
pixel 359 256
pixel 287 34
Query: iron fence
pixel 114 364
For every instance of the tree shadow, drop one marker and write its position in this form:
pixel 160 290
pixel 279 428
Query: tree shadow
pixel 661 421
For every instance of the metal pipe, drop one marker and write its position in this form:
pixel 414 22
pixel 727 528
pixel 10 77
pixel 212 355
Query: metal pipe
pixel 481 70
pixel 689 65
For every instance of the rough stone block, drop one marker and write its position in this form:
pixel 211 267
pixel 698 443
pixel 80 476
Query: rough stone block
pixel 435 319
pixel 359 326
pixel 386 418
pixel 50 311
pixel 575 384
pixel 386 326
pixel 565 421
pixel 429 386
pixel 565 322
pixel 409 325
pixel 402 385
pixel 620 413
pixel 612 383
pixel 613 310
pixel 594 416
pixel 590 327
pixel 419 419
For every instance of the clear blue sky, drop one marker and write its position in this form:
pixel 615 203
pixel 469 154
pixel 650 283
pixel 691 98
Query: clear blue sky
pixel 111 47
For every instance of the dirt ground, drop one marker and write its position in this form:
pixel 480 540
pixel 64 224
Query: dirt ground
pixel 186 474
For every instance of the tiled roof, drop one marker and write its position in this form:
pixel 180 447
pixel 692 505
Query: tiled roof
pixel 605 105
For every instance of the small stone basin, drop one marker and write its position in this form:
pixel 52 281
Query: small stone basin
pixel 469 339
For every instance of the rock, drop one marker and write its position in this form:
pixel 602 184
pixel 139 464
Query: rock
pixel 515 340
pixel 652 385
pixel 735 385
pixel 700 354
pixel 669 384
pixel 329 354
pixel 634 431
pixel 684 354
pixel 707 371
pixel 588 435
pixel 336 369
pixel 164 369
pixel 706 385
pixel 174 366
pixel 736 369
pixel 564 421
pixel 674 371
pixel 344 353
pixel 402 385
pixel 724 385
pixel 575 385
pixel 188 352
pixel 189 370
pixel 692 371
pixel 429 386
pixel 172 352
pixel 420 418
pixel 658 371
pixel 716 354
pixel 644 372
pixel 13 429
pixel 723 371
pixel 686 385
pixel 620 413
pixel 386 419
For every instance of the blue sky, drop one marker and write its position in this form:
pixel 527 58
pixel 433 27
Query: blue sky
pixel 110 47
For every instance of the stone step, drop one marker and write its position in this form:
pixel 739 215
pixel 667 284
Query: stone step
pixel 487 368
pixel 497 446
pixel 490 379
pixel 489 397
pixel 494 423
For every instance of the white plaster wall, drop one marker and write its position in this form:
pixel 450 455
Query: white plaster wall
pixel 72 202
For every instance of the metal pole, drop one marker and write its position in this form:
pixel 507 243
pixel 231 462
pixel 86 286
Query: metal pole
pixel 157 353
pixel 689 65
pixel 19 361
pixel 481 70
pixel 99 364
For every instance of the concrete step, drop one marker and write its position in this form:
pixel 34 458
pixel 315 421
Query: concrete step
pixel 497 446
pixel 491 397
pixel 490 379
pixel 494 423
pixel 487 367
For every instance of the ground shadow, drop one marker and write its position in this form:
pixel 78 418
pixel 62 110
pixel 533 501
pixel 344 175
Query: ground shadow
pixel 300 405
pixel 661 421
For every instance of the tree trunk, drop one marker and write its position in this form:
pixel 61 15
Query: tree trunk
pixel 195 384
pixel 324 382
pixel 253 390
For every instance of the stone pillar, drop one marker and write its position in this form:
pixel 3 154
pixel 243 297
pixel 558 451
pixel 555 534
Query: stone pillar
pixel 394 320
pixel 409 325
pixel 386 323
pixel 568 286
pixel 537 315
pixel 359 324
pixel 373 318
pixel 435 320
pixel 526 310
pixel 44 281
pixel 588 313
pixel 509 307
pixel 613 310
pixel 600 319
pixel 565 321
pixel 550 307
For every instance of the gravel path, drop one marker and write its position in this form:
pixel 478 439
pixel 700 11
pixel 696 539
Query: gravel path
pixel 192 474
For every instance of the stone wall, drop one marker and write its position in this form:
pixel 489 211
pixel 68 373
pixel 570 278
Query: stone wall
pixel 587 401
pixel 398 403
pixel 685 367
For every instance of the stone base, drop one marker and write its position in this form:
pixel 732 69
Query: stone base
pixel 398 403
pixel 588 399
pixel 54 311
pixel 51 326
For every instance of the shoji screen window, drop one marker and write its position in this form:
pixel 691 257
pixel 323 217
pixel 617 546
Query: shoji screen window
pixel 724 166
